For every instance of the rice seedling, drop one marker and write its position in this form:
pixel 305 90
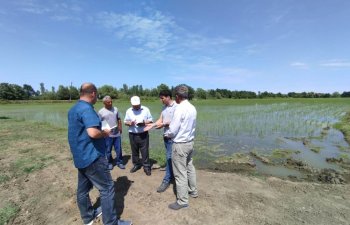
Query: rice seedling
pixel 228 126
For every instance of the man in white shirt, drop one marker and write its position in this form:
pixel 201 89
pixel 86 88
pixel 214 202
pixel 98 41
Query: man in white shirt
pixel 110 115
pixel 136 118
pixel 182 131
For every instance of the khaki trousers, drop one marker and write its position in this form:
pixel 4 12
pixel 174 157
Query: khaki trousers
pixel 184 171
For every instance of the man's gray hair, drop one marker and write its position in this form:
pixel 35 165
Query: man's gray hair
pixel 181 91
pixel 106 98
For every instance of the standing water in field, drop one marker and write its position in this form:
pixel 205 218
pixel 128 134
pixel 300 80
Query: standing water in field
pixel 273 138
pixel 281 137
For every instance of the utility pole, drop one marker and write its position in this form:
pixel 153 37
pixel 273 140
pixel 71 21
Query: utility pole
pixel 70 92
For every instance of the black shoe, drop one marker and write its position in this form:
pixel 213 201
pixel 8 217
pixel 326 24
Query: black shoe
pixel 176 206
pixel 135 168
pixel 147 171
pixel 163 187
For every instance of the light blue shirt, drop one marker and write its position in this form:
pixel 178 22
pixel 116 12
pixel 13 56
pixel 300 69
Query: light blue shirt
pixel 182 127
pixel 140 115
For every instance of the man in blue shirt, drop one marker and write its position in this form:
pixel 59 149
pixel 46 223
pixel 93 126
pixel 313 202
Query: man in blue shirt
pixel 86 141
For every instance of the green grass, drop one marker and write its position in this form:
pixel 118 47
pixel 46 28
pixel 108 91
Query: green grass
pixel 4 178
pixel 256 118
pixel 344 126
pixel 24 147
pixel 30 164
pixel 8 212
pixel 344 156
pixel 281 153
pixel 315 149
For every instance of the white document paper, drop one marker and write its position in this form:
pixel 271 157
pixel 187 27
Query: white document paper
pixel 105 125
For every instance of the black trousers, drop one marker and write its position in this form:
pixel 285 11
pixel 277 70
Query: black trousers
pixel 140 143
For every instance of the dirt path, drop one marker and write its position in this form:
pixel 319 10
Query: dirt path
pixel 48 197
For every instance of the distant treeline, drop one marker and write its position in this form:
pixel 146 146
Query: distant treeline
pixel 26 92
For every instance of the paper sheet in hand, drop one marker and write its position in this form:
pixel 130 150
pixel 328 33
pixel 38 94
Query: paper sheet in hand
pixel 105 125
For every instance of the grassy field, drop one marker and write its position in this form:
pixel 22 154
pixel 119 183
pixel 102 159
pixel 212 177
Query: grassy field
pixel 38 186
pixel 229 126
pixel 268 129
pixel 26 148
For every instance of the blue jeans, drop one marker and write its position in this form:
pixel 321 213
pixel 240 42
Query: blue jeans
pixel 115 142
pixel 169 175
pixel 97 175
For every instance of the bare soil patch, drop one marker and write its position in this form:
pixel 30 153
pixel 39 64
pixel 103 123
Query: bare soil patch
pixel 47 196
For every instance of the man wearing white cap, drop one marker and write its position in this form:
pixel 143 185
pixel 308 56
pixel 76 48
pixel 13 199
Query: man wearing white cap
pixel 136 118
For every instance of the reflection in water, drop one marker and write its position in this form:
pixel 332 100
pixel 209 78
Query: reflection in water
pixel 328 145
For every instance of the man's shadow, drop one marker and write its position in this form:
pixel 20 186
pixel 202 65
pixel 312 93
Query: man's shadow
pixel 126 159
pixel 121 186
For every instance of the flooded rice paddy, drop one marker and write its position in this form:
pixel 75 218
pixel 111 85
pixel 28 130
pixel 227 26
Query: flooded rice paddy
pixel 283 137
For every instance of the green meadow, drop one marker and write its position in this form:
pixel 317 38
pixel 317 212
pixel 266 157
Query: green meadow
pixel 262 128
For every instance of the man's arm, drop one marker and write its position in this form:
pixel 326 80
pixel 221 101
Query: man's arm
pixel 95 133
pixel 149 118
pixel 120 128
pixel 159 122
pixel 127 119
pixel 174 125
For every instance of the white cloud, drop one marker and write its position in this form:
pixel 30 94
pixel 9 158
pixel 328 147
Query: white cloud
pixel 157 36
pixel 299 65
pixel 62 11
pixel 32 6
pixel 152 33
pixel 337 63
pixel 214 75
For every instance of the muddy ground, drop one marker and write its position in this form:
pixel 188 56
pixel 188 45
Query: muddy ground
pixel 225 198
pixel 46 195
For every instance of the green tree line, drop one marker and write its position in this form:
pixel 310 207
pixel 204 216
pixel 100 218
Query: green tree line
pixel 26 92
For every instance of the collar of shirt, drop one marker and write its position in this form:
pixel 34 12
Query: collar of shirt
pixel 141 108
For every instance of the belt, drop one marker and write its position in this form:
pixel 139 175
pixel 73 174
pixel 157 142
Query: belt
pixel 139 133
pixel 184 142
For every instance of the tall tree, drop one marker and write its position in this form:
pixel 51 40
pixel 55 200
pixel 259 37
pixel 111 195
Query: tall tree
pixel 29 91
pixel 42 88
pixel 108 90
pixel 63 93
pixel 12 92
pixel 201 93
pixel 162 87
pixel 74 93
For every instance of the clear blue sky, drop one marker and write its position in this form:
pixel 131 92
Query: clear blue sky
pixel 253 45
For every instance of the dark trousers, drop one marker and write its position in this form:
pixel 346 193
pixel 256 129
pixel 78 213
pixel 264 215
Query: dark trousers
pixel 140 143
pixel 98 175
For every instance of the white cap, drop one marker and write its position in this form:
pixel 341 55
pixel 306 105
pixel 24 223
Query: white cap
pixel 135 100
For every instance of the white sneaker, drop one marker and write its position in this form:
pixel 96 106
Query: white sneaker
pixel 97 213
pixel 124 222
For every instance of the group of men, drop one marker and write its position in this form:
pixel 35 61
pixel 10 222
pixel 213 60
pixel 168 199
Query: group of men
pixel 91 141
